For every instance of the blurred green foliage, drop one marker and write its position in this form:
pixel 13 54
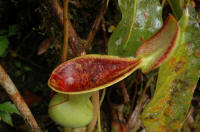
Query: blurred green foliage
pixel 6 109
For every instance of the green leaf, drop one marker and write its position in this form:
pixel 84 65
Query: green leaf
pixel 6 118
pixel 9 108
pixel 26 68
pixel 13 29
pixel 3 44
pixel 140 20
pixel 3 32
pixel 177 7
pixel 177 80
pixel 18 64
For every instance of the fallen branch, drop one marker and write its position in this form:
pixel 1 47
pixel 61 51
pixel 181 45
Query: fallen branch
pixel 74 40
pixel 17 99
pixel 96 24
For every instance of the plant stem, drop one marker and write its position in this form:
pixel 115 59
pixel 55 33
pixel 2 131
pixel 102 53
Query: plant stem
pixel 18 100
pixel 99 114
pixel 65 43
pixel 124 91
pixel 102 97
pixel 163 3
pixel 95 102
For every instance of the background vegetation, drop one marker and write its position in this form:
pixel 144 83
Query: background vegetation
pixel 31 37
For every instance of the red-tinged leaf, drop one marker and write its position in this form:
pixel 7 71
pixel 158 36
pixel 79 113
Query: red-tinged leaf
pixel 158 48
pixel 90 73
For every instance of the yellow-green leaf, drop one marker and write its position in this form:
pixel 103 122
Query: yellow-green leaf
pixel 177 80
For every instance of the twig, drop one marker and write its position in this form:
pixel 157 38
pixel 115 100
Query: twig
pixel 14 94
pixel 118 119
pixel 124 91
pixel 24 59
pixel 65 43
pixel 163 3
pixel 96 24
pixel 24 39
pixel 74 40
pixel 98 113
pixel 95 101
pixel 104 35
pixel 142 100
pixel 136 90
pixel 102 97
pixel 116 108
pixel 133 117
pixel 188 115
